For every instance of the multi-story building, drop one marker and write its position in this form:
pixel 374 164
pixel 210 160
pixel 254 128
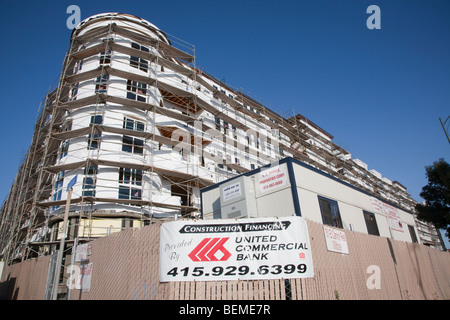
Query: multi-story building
pixel 142 129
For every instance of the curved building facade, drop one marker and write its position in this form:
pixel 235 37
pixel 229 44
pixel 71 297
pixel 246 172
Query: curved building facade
pixel 142 129
pixel 124 92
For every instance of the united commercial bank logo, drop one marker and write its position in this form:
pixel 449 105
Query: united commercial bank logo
pixel 213 249
pixel 210 249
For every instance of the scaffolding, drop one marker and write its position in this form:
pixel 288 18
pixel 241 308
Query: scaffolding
pixel 30 203
pixel 165 95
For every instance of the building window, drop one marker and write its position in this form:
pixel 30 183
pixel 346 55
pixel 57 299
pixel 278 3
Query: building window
pixel 127 223
pixel 132 124
pixel 58 186
pixel 130 193
pixel 132 145
pixel 105 57
pixel 89 181
pixel 136 90
pixel 136 62
pixel 101 84
pixel 217 120
pixel 88 187
pixel 97 119
pixel 330 212
pixel 130 176
pixel 371 223
pixel 74 92
pixel 94 140
pixel 233 129
pixel 225 127
pixel 412 232
pixel 130 182
pixel 64 149
pixel 58 189
pixel 96 135
pixel 78 66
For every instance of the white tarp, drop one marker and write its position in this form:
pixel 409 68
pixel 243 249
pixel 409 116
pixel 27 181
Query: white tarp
pixel 210 250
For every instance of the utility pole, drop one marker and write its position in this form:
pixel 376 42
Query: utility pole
pixel 63 240
pixel 443 127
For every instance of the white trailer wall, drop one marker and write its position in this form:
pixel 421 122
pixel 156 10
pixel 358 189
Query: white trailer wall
pixel 351 202
pixel 299 192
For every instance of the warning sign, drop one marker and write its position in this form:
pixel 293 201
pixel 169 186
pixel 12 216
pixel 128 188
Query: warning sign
pixel 263 248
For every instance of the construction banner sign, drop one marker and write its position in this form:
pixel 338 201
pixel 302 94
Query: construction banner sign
pixel 244 249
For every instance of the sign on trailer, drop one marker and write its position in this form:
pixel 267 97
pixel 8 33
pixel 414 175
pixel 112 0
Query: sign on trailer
pixel 228 249
pixel 335 239
pixel 272 178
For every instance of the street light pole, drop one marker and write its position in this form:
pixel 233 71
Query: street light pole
pixel 443 127
pixel 61 248
pixel 63 240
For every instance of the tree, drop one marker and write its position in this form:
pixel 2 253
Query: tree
pixel 436 208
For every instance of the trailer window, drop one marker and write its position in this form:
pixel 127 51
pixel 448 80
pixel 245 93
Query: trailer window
pixel 330 212
pixel 371 223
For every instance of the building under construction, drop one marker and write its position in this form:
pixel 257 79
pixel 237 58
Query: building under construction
pixel 142 129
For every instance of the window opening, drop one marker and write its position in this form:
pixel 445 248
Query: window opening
pixel 371 223
pixel 412 232
pixel 96 135
pixel 105 57
pixel 101 84
pixel 89 181
pixel 132 145
pixel 136 90
pixel 330 212
pixel 130 183
pixel 137 62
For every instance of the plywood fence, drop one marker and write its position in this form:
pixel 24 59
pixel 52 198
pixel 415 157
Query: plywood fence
pixel 125 266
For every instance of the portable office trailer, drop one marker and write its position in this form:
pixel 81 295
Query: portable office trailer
pixel 289 187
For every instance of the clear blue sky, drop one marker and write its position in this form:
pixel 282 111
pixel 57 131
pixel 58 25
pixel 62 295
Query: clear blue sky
pixel 380 93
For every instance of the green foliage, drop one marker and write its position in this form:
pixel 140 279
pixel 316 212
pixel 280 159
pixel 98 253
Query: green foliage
pixel 436 194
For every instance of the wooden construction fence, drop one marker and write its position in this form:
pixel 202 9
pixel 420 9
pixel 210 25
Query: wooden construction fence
pixel 125 267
